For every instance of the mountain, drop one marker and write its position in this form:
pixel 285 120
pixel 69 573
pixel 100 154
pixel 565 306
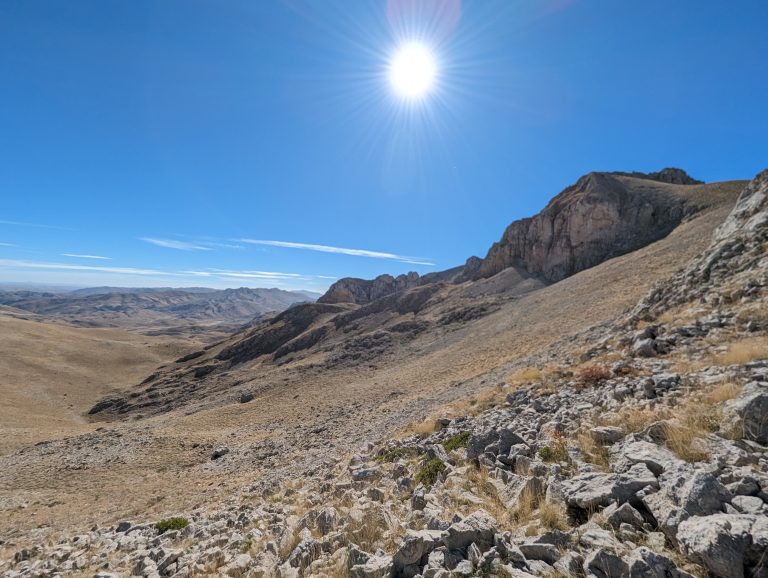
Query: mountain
pixel 611 423
pixel 155 309
pixel 391 323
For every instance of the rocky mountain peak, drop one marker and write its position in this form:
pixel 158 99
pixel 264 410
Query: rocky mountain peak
pixel 671 175
pixel 362 291
pixel 601 216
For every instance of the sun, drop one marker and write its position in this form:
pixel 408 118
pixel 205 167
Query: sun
pixel 412 71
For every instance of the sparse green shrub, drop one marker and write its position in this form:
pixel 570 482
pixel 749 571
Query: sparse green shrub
pixel 175 523
pixel 395 454
pixel 428 473
pixel 557 451
pixel 460 440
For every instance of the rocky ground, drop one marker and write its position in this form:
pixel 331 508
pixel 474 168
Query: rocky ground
pixel 638 449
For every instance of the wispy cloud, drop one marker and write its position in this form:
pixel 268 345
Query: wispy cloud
pixel 15 263
pixel 78 256
pixel 36 225
pixel 149 277
pixel 340 250
pixel 174 244
pixel 7 245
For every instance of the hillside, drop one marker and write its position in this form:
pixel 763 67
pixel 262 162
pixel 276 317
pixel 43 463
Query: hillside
pixel 51 374
pixel 185 312
pixel 390 323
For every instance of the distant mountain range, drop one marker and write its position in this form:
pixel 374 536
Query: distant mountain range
pixel 154 309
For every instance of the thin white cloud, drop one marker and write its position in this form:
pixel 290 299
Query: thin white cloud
pixel 36 225
pixel 14 263
pixel 174 244
pixel 7 245
pixel 78 256
pixel 340 250
pixel 86 275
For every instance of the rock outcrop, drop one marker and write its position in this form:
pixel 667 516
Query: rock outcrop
pixel 734 266
pixel 601 216
pixel 362 291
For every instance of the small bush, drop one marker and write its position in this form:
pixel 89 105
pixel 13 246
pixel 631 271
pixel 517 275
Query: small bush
pixel 557 451
pixel 460 440
pixel 175 523
pixel 428 474
pixel 593 375
pixel 395 454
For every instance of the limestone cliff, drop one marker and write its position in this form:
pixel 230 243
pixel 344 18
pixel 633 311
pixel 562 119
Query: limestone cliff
pixel 601 216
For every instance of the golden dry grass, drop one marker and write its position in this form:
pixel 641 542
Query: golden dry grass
pixel 524 375
pixel 743 351
pixel 591 451
pixel 633 420
pixel 552 516
pixel 685 442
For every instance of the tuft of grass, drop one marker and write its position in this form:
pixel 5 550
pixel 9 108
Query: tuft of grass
pixel 681 441
pixel 743 351
pixel 524 375
pixel 557 451
pixel 528 502
pixel 174 523
pixel 553 516
pixel 723 393
pixel 428 474
pixel 593 375
pixel 634 420
pixel 460 440
pixel 591 451
pixel 421 429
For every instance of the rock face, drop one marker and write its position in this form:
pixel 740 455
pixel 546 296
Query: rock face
pixel 362 291
pixel 600 217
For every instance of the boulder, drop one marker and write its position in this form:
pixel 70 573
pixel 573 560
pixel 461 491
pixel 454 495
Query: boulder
pixel 477 528
pixel 645 563
pixel 415 549
pixel 606 435
pixel 748 413
pixel 378 566
pixel 603 563
pixel 726 544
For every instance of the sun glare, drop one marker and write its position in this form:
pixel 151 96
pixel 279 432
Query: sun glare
pixel 412 71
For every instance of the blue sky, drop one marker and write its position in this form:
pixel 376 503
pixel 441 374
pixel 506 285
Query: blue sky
pixel 168 136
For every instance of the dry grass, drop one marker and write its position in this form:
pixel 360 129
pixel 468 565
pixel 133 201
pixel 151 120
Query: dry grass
pixel 743 351
pixel 527 503
pixel 552 516
pixel 477 404
pixel 723 393
pixel 372 532
pixel 524 376
pixel 685 443
pixel 757 312
pixel 478 483
pixel 634 420
pixel 591 451
pixel 420 428
pixel 556 451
